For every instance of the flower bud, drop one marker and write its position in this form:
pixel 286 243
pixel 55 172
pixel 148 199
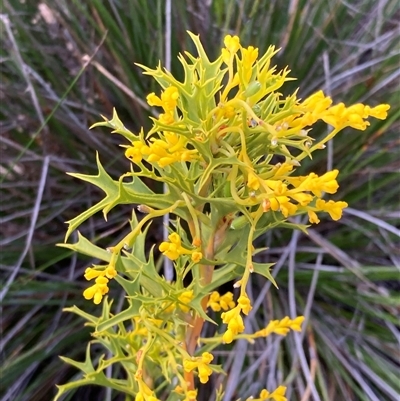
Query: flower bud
pixel 144 209
pixel 252 89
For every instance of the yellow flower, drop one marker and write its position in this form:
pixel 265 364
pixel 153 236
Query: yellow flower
pixel 296 323
pixel 232 43
pixel 253 181
pixel 135 152
pixel 302 198
pixel 335 209
pixel 197 256
pixel 204 373
pixel 191 395
pixel 91 273
pixel 100 287
pixel 314 108
pixel 249 56
pixel 278 187
pixel 97 290
pixel 168 150
pixel 174 249
pixel 226 301
pixel 168 99
pixel 201 363
pixel 325 183
pixel 312 217
pixel 214 301
pixel 185 299
pixel 166 118
pixel 244 303
pixel 179 389
pixel 153 99
pixel 277 395
pixel 190 364
pixel 170 250
pixel 281 170
pixel 207 357
pixel 228 336
pixel 281 327
pixel 235 324
pixel 339 116
pixel 316 103
pixel 110 272
pixel 379 111
pixel 225 112
pixel 282 204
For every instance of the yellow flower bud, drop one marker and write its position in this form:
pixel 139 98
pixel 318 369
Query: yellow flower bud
pixel 197 256
pixel 244 303
pixel 312 217
pixel 232 43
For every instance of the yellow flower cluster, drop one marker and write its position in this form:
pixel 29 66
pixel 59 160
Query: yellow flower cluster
pixel 217 302
pixel 234 320
pixel 298 193
pixel 173 249
pixel 281 327
pixel 100 288
pixel 277 395
pixel 317 107
pixel 164 151
pixel 236 326
pixel 201 363
pixel 169 147
pixel 333 208
pixel 288 125
pixel 248 58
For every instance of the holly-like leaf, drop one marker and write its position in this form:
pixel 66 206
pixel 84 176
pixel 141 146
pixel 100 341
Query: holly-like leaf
pixel 118 193
pixel 85 247
pixel 117 125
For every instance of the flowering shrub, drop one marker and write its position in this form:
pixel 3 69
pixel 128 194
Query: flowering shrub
pixel 226 146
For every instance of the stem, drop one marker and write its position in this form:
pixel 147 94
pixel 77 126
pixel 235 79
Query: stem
pixel 194 331
pixel 194 223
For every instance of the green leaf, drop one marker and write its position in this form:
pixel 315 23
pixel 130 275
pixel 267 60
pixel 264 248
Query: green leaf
pixel 264 270
pixel 85 247
pixel 86 366
pixel 74 309
pixel 117 125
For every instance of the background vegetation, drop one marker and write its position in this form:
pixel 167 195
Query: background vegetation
pixel 343 277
